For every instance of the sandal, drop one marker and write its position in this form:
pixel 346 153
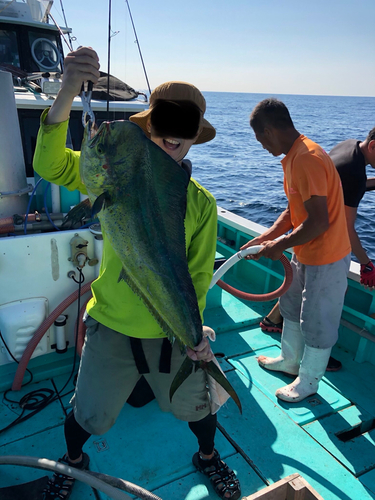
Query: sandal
pixel 269 326
pixel 334 365
pixel 60 487
pixel 222 478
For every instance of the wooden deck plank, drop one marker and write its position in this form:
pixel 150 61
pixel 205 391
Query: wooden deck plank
pixel 325 402
pixel 48 444
pixel 42 367
pixel 160 457
pixel 230 314
pixel 243 340
pixel 196 487
pixel 51 416
pixel 150 460
pixel 279 447
pixel 368 480
pixel 355 380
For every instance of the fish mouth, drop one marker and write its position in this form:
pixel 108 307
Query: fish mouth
pixel 171 144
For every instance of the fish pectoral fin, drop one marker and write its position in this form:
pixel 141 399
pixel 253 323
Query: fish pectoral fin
pixel 102 201
pixel 78 213
pixel 211 369
pixel 185 370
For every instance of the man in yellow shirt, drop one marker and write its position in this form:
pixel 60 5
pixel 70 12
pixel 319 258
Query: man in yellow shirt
pixel 120 329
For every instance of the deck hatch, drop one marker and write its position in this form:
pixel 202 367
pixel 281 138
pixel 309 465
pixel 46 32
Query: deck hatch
pixel 356 431
pixel 349 435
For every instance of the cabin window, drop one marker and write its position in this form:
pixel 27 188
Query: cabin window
pixel 9 48
pixel 45 52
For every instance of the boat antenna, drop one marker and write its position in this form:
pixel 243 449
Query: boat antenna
pixel 66 24
pixel 139 47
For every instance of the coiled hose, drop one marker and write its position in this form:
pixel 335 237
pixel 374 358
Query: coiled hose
pixel 251 296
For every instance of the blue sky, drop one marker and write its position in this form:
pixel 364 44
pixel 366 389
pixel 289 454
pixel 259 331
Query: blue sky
pixel 268 46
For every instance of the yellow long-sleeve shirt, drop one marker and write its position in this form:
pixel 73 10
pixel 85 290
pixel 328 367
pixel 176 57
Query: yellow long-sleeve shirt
pixel 113 303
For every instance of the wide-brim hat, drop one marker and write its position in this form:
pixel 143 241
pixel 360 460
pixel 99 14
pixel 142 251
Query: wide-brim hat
pixel 177 91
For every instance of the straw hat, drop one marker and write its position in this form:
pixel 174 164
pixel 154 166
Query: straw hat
pixel 177 91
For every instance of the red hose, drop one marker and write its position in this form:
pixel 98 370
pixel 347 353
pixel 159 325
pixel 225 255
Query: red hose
pixel 266 296
pixel 38 335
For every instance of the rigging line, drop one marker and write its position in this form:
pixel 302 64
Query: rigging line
pixel 109 52
pixel 8 5
pixel 66 24
pixel 70 47
pixel 139 47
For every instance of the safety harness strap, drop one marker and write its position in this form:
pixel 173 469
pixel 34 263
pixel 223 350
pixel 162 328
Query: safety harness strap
pixel 139 355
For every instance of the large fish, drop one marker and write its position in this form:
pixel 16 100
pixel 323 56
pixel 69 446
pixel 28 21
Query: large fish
pixel 139 194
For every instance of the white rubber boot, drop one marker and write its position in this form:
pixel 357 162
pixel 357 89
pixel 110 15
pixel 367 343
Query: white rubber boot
pixel 292 345
pixel 313 366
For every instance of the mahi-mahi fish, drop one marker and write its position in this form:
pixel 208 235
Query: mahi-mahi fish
pixel 139 194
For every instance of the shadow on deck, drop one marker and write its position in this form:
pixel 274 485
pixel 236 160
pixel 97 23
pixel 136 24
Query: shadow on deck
pixel 318 438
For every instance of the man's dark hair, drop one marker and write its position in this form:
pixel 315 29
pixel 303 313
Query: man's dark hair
pixel 271 112
pixel 371 135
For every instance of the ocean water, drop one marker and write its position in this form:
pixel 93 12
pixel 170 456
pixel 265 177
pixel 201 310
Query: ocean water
pixel 247 180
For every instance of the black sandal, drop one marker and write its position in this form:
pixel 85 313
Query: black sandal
pixel 269 326
pixel 334 365
pixel 222 478
pixel 60 487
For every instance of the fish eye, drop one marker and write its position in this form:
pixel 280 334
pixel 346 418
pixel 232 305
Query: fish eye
pixel 100 149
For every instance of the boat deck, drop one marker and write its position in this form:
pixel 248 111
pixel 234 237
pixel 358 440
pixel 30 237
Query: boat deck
pixel 329 438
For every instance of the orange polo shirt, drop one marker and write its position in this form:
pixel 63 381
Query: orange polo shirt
pixel 309 171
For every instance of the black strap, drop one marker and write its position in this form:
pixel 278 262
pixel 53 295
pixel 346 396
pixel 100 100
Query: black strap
pixel 139 355
pixel 165 357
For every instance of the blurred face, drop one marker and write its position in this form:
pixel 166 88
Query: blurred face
pixel 176 147
pixel 269 140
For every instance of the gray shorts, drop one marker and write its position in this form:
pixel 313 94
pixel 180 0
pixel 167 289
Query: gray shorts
pixel 108 373
pixel 315 299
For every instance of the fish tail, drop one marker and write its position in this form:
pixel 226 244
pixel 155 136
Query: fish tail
pixel 211 369
pixel 214 371
pixel 185 370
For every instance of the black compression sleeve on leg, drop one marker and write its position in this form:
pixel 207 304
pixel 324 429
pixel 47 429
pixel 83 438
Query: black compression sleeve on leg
pixel 75 436
pixel 205 430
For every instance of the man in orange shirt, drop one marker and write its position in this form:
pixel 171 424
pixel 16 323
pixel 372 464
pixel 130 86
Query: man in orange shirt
pixel 312 306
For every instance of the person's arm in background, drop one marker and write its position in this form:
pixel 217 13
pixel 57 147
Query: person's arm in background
pixel 315 224
pixel 357 249
pixel 367 267
pixel 370 184
pixel 281 226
